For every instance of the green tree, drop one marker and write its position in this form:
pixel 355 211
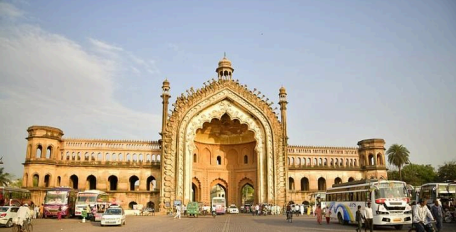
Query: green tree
pixel 16 183
pixel 5 178
pixel 398 155
pixel 418 174
pixel 447 171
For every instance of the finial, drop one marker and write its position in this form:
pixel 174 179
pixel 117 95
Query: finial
pixel 224 54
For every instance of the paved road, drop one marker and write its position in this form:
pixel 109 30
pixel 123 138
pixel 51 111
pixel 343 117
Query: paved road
pixel 222 223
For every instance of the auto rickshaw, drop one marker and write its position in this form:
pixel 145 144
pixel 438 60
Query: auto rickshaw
pixel 192 209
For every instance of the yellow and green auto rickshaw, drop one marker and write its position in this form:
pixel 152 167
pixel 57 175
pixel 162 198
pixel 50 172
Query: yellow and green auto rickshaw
pixel 192 209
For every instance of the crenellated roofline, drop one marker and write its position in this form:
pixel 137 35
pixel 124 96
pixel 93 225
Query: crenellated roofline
pixel 109 140
pixel 322 147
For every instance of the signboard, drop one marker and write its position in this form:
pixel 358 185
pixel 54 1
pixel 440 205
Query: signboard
pixel 177 202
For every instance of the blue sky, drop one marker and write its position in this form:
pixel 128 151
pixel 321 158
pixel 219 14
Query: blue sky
pixel 353 69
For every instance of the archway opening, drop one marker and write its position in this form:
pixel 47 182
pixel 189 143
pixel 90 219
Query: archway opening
pixel 134 183
pixel 248 194
pixel 218 191
pixel 321 183
pixel 132 204
pixel 112 183
pixel 36 180
pixel 151 183
pixel 47 180
pixel 194 192
pixel 74 181
pixel 224 147
pixel 91 182
pixel 304 184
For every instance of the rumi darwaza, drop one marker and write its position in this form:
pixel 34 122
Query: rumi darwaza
pixel 221 140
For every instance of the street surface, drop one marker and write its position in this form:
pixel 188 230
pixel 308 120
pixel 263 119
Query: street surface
pixel 222 223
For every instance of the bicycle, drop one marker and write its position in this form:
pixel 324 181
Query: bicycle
pixel 27 227
pixel 289 216
pixel 429 227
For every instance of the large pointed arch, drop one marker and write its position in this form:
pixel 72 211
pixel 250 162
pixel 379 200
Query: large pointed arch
pixel 234 111
pixel 213 101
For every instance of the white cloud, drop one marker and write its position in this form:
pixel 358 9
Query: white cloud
pixel 47 79
pixel 9 10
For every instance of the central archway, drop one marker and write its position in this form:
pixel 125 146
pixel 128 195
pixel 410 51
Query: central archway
pixel 229 117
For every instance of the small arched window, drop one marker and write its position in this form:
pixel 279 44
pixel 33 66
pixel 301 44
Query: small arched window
pixel 246 159
pixel 194 158
pixel 219 160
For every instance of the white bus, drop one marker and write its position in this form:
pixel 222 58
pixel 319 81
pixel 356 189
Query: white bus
pixel 93 198
pixel 389 201
pixel 219 204
pixel 443 192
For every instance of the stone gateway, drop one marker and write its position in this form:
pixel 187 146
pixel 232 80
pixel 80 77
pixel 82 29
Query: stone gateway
pixel 221 140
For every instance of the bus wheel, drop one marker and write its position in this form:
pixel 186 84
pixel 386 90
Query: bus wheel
pixel 398 227
pixel 341 220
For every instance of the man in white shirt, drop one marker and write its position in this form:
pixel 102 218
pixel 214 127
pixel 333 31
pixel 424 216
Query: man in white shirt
pixel 178 212
pixel 368 216
pixel 422 216
pixel 23 213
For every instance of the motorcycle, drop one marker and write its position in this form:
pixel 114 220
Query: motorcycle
pixel 448 217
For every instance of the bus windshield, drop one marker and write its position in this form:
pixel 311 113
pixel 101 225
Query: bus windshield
pixel 87 198
pixel 390 190
pixel 220 200
pixel 56 197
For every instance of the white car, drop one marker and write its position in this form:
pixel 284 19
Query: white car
pixel 233 209
pixel 113 216
pixel 7 214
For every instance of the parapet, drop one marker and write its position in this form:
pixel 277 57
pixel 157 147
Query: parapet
pixel 44 132
pixel 372 144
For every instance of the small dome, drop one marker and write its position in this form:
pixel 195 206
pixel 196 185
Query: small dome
pixel 224 63
pixel 166 82
pixel 282 90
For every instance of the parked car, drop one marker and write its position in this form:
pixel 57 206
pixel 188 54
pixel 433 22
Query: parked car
pixel 114 215
pixel 7 214
pixel 233 209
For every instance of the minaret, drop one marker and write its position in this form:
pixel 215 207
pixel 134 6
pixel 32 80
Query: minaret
pixel 165 95
pixel 283 112
pixel 224 70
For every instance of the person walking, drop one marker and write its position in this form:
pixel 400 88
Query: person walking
pixel 318 213
pixel 36 212
pixel 59 213
pixel 368 216
pixel 301 208
pixel 178 212
pixel 359 219
pixel 437 213
pixel 327 213
pixel 41 211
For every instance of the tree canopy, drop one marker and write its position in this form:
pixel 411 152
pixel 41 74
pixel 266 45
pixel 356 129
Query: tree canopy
pixel 415 174
pixel 5 178
pixel 398 155
pixel 447 171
